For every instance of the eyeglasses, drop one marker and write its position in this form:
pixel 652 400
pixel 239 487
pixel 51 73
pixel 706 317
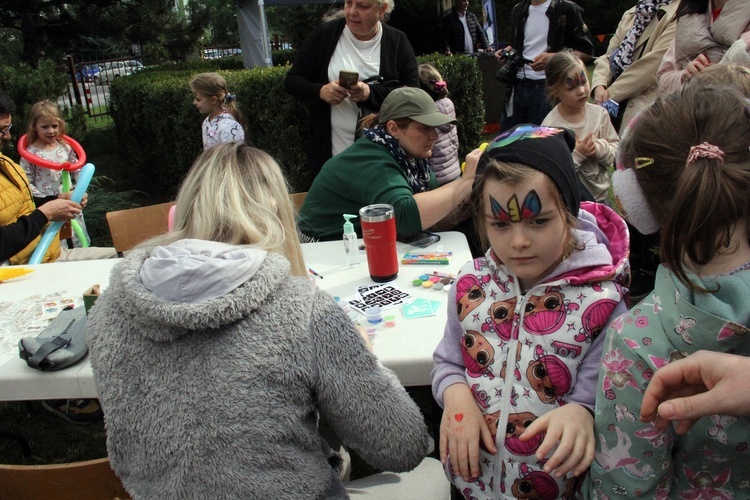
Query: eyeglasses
pixel 6 130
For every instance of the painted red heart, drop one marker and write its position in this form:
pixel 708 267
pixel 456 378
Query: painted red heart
pixel 459 417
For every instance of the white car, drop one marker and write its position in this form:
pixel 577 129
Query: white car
pixel 115 69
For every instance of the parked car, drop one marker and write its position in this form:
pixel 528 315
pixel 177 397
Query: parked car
pixel 87 72
pixel 115 69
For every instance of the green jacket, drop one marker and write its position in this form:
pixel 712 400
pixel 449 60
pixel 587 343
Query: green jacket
pixel 363 174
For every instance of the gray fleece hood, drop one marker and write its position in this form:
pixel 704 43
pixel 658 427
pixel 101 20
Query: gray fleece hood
pixel 198 270
pixel 193 286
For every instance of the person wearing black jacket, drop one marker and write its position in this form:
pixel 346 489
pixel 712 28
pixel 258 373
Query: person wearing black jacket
pixel 381 55
pixel 562 21
pixel 461 31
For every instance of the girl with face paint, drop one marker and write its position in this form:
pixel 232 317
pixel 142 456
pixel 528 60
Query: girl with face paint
pixel 517 366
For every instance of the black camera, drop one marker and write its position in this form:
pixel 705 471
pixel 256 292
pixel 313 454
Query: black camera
pixel 513 60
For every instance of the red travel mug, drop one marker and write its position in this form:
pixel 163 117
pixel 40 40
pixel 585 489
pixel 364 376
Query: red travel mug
pixel 379 234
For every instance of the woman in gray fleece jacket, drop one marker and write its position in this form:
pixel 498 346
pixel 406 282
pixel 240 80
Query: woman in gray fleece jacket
pixel 214 357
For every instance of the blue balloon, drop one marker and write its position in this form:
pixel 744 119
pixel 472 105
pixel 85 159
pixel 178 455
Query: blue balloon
pixel 84 178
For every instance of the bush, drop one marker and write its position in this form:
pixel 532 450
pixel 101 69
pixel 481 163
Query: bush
pixel 103 199
pixel 75 121
pixel 158 128
pixel 283 57
pixel 464 80
pixel 26 86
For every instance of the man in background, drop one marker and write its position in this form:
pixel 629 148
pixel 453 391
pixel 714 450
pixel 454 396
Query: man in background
pixel 461 31
pixel 539 28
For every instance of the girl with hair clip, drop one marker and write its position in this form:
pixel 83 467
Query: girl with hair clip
pixel 596 139
pixel 237 356
pixel 224 122
pixel 45 139
pixel 517 366
pixel 684 168
pixel 444 160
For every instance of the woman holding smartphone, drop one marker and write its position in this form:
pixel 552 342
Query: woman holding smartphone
pixel 346 64
pixel 389 165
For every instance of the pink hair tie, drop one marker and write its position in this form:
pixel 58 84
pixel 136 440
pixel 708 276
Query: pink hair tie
pixel 441 84
pixel 705 150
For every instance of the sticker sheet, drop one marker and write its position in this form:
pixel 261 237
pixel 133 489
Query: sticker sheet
pixel 386 296
pixel 29 317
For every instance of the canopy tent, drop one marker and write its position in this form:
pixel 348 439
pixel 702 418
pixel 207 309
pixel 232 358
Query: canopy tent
pixel 254 38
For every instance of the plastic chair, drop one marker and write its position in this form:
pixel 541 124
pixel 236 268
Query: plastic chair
pixel 133 226
pixel 92 479
pixel 298 199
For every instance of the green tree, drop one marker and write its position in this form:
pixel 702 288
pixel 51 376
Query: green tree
pixel 52 27
pixel 224 28
pixel 296 22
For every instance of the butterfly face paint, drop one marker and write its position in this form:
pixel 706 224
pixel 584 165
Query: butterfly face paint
pixel 574 91
pixel 530 208
pixel 527 237
pixel 576 81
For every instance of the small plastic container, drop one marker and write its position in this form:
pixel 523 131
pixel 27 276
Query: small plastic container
pixel 374 315
pixel 343 304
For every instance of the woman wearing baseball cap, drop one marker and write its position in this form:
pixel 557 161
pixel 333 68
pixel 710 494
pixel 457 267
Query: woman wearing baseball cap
pixel 388 164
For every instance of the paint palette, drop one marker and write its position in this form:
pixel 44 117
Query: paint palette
pixel 435 281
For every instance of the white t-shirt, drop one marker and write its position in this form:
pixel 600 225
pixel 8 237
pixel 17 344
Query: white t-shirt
pixel 468 43
pixel 363 57
pixel 535 39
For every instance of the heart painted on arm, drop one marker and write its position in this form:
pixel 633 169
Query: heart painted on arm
pixel 459 417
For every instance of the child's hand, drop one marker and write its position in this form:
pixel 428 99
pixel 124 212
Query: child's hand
pixel 69 194
pixel 586 146
pixel 460 430
pixel 571 428
pixel 694 67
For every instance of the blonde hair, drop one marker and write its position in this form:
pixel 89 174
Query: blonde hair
pixel 557 70
pixel 512 174
pixel 215 85
pixel 732 75
pixel 339 13
pixel 44 109
pixel 428 77
pixel 237 194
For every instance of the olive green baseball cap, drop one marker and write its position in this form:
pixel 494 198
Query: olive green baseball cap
pixel 412 103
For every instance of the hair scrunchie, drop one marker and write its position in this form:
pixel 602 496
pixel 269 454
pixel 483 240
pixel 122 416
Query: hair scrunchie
pixel 229 97
pixel 705 150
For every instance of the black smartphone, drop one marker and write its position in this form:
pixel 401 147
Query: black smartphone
pixel 421 239
pixel 348 79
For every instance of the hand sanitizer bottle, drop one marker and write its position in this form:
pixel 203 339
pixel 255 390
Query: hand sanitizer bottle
pixel 350 242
